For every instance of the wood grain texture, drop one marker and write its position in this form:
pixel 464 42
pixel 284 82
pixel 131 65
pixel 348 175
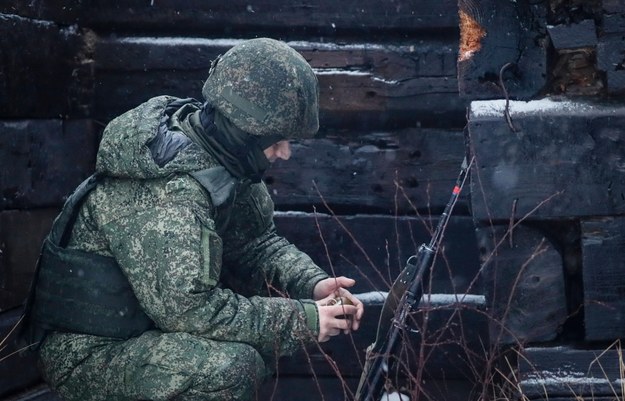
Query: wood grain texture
pixel 603 241
pixel 524 285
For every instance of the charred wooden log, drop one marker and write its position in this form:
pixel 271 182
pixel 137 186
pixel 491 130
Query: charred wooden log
pixel 497 35
pixel 46 69
pixel 566 373
pixel 398 172
pixel 361 84
pixel 603 241
pixel 233 17
pixel 546 159
pixel 42 161
pixel 21 235
pixel 452 341
pixel 610 52
pixel 524 285
pixel 573 36
pixel 373 249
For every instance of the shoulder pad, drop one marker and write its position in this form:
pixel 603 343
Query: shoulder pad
pixel 218 182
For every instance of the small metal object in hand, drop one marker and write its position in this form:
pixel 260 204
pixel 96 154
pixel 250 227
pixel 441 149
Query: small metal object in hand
pixel 339 301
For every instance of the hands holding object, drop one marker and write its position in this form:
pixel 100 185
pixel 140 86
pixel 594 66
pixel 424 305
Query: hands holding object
pixel 339 310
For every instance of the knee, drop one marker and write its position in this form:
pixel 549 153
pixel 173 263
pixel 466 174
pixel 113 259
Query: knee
pixel 240 368
pixel 192 367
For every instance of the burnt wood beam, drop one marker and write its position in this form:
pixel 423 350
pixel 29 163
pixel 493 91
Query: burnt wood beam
pixel 361 84
pixel 573 36
pixel 45 69
pixel 566 373
pixel 502 40
pixel 21 235
pixel 395 172
pixel 373 249
pixel 42 161
pixel 611 50
pixel 399 172
pixel 453 342
pixel 523 280
pixel 550 159
pixel 235 16
pixel 603 242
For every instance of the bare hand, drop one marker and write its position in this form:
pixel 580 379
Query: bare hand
pixel 334 318
pixel 330 286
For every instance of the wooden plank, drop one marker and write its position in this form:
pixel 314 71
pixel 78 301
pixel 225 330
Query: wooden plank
pixel 21 235
pixel 573 36
pixel 603 241
pixel 524 284
pixel 397 172
pixel 373 249
pixel 613 6
pixel 364 84
pixel 44 160
pixel 47 75
pixel 550 372
pixel 610 52
pixel 452 341
pixel 343 389
pixel 394 172
pixel 574 397
pixel 561 161
pixel 17 370
pixel 312 17
pixel 495 33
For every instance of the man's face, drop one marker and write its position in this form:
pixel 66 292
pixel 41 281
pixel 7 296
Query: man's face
pixel 279 150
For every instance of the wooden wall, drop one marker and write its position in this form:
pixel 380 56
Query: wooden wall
pixel 548 189
pixel 532 89
pixel 360 198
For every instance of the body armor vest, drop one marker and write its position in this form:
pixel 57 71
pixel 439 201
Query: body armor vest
pixel 83 292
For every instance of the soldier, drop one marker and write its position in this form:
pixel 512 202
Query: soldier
pixel 163 277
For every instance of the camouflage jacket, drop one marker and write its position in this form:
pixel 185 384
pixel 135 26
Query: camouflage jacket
pixel 189 272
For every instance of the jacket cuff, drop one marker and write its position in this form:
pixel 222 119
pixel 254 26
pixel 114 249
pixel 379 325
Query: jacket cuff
pixel 312 315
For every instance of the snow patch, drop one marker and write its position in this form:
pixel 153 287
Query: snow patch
pixel 179 41
pixel 339 71
pixel 496 108
pixel 378 297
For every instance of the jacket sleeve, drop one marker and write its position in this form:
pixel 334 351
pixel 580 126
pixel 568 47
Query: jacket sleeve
pixel 171 254
pixel 258 258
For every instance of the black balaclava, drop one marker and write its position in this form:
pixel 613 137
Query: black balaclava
pixel 239 152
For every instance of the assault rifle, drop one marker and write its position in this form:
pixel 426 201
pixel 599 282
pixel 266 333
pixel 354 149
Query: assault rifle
pixel 405 292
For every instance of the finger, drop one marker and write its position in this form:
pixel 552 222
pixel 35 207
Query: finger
pixel 342 325
pixel 355 324
pixel 342 310
pixel 334 332
pixel 352 298
pixel 343 281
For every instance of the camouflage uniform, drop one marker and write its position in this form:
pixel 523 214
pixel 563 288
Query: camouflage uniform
pixel 207 285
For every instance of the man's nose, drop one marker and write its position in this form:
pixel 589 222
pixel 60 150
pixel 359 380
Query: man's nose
pixel 284 151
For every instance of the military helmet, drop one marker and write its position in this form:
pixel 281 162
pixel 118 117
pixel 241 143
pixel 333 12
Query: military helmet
pixel 266 88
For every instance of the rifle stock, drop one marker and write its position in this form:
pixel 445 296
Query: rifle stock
pixel 405 292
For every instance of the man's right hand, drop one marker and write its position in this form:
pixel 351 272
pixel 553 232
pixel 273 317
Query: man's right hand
pixel 334 318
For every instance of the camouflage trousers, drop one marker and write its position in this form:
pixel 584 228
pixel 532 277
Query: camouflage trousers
pixel 153 366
